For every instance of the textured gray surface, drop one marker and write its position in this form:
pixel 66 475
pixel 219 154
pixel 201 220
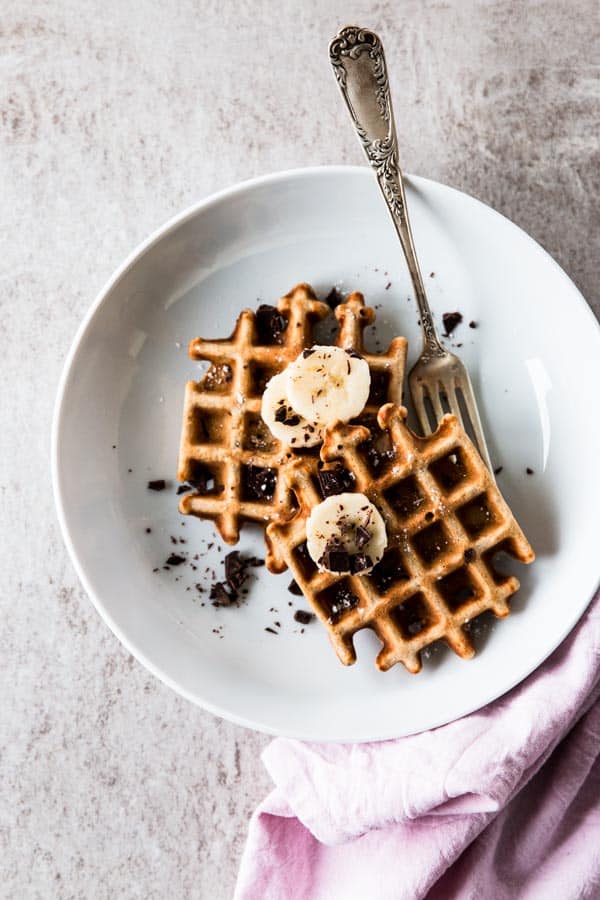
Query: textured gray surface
pixel 113 117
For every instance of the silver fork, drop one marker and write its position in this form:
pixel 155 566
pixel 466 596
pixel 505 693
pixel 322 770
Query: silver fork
pixel 438 379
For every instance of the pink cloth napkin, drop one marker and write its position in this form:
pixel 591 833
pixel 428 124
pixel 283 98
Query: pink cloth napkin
pixel 504 803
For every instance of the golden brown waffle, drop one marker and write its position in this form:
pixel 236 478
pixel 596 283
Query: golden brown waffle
pixel 226 450
pixel 446 522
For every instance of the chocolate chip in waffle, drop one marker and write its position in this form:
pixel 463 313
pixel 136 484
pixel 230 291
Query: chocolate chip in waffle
pixel 227 453
pixel 446 522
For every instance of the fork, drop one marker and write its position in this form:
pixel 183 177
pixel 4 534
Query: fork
pixel 439 380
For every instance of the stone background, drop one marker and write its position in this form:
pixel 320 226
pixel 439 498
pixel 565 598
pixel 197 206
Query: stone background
pixel 114 116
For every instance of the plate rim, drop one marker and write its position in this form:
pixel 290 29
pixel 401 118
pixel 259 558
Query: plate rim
pixel 174 222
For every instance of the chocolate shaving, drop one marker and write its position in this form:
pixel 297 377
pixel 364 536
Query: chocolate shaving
pixel 287 416
pixel 158 485
pixel 362 537
pixel 220 595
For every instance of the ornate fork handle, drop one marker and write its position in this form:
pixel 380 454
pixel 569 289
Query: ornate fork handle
pixel 358 61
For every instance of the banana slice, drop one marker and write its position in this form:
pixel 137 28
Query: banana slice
pixel 345 533
pixel 285 423
pixel 328 384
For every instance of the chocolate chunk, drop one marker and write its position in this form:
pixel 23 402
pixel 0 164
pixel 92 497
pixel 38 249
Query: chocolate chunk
pixel 270 324
pixel 306 353
pixel 469 555
pixel 148 531
pixel 335 481
pixel 334 298
pixel 451 320
pixel 303 616
pixel 362 536
pixel 343 600
pixel 359 562
pixel 175 560
pixel 221 596
pixel 336 559
pixel 158 485
pixel 294 588
pixel 260 483
pixel 184 488
pixel 472 324
pixel 529 471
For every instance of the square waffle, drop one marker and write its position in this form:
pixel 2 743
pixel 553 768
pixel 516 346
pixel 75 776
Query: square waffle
pixel 227 453
pixel 446 522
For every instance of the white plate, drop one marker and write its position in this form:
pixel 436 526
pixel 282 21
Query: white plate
pixel 535 362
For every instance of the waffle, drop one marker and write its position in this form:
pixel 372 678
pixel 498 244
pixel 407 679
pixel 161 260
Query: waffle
pixel 446 522
pixel 227 452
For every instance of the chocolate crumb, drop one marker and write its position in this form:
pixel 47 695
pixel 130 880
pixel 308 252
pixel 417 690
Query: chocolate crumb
pixel 278 624
pixel 451 320
pixel 156 569
pixel 498 469
pixel 148 531
pixel 271 630
pixel 388 285
pixel 303 617
pixel 294 588
pixel 432 274
pixel 529 471
pixel 472 324
pixel 175 560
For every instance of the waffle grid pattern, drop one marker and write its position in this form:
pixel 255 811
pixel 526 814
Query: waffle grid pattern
pixel 223 435
pixel 446 521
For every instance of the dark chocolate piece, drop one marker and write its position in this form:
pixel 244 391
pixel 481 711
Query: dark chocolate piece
pixel 294 588
pixel 158 485
pixel 472 324
pixel 335 481
pixel 271 630
pixel 221 596
pixel 270 324
pixel 498 469
pixel 336 559
pixel 451 320
pixel 304 617
pixel 529 471
pixel 175 560
pixel 286 415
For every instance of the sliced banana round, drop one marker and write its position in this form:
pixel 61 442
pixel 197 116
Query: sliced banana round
pixel 285 423
pixel 328 384
pixel 346 533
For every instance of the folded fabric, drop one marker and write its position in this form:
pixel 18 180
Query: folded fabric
pixel 487 806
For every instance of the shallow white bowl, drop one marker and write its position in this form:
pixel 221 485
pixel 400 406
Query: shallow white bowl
pixel 535 363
